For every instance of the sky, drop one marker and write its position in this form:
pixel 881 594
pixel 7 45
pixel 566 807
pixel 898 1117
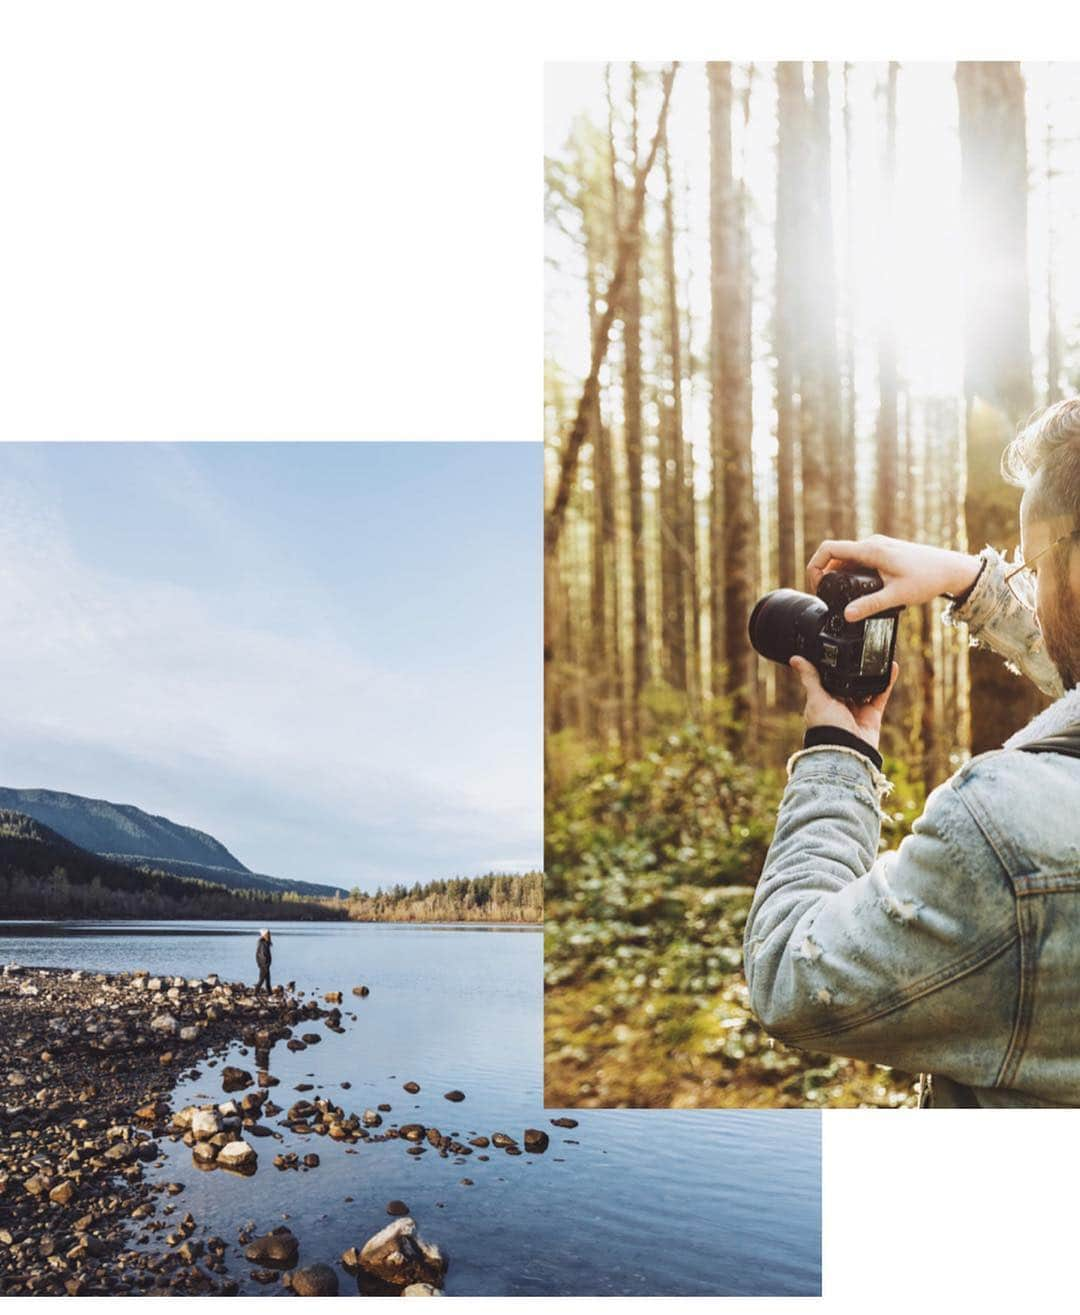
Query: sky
pixel 327 655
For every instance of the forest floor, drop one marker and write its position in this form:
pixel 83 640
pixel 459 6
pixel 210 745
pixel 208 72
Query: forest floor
pixel 649 865
pixel 678 1050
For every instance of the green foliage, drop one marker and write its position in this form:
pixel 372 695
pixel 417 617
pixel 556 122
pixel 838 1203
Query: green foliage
pixel 650 871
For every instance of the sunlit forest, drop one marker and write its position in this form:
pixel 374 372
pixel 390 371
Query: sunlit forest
pixel 784 302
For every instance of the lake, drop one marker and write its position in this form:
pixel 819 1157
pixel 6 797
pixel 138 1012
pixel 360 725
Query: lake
pixel 631 1202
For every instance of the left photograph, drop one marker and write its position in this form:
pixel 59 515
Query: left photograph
pixel 271 902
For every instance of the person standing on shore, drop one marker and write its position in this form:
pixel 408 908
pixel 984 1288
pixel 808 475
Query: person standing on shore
pixel 262 958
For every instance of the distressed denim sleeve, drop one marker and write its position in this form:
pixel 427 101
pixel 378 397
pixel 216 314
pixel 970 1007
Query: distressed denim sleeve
pixel 908 959
pixel 995 620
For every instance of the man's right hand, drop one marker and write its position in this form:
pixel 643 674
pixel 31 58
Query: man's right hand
pixel 912 573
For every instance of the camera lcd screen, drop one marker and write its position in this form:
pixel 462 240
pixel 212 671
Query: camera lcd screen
pixel 877 640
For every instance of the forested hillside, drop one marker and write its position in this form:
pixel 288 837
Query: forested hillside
pixel 43 875
pixel 128 835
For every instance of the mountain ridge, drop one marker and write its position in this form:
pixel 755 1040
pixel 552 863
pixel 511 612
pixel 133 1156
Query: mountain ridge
pixel 127 834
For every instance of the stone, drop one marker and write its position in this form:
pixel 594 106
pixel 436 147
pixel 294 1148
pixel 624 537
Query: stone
pixel 372 1119
pixel 165 1024
pixel 235 1079
pixel 502 1140
pixel 279 1249
pixel 454 1095
pixel 397 1208
pixel 536 1140
pixel 332 997
pixel 400 1256
pixel 314 1281
pixel 411 1087
pixel 413 1131
pixel 62 1192
pixel 564 1123
pixel 238 1156
pixel 206 1123
pixel 204 1152
pixel 312 1160
pixel 421 1290
pixel 361 991
pixel 189 1033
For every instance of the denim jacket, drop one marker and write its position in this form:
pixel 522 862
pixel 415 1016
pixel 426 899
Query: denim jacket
pixel 958 952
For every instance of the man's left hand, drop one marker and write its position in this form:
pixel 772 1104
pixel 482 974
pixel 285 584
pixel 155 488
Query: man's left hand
pixel 862 719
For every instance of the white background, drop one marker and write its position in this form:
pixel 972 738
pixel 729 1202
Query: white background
pixel 252 220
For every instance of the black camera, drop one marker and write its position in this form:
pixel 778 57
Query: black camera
pixel 853 658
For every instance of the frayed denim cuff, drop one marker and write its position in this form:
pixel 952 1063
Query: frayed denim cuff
pixel 986 595
pixel 844 766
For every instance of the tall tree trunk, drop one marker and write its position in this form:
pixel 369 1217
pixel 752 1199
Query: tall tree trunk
pixel 673 546
pixel 845 474
pixel 929 626
pixel 719 82
pixel 1053 332
pixel 814 290
pixel 828 355
pixel 790 111
pixel 631 318
pixel 791 114
pixel 997 349
pixel 887 426
pixel 732 561
pixel 611 525
pixel 597 709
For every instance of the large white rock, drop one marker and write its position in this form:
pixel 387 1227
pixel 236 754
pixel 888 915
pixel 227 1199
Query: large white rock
pixel 165 1024
pixel 237 1155
pixel 399 1255
pixel 205 1124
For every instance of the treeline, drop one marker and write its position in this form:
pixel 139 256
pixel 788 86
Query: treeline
pixel 42 875
pixel 494 897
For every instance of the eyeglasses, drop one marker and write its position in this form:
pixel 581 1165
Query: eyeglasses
pixel 1021 583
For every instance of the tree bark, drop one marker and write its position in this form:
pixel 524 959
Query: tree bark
pixel 887 426
pixel 731 376
pixel 673 478
pixel 790 109
pixel 998 386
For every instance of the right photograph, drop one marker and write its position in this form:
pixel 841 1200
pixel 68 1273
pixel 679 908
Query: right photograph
pixel 812 585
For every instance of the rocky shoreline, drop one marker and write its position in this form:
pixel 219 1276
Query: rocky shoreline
pixel 88 1065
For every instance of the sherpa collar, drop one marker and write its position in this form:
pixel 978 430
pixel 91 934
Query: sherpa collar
pixel 1060 714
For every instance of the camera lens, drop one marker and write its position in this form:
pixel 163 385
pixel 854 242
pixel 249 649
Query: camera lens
pixel 786 622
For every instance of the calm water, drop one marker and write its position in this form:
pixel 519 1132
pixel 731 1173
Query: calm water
pixel 647 1203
